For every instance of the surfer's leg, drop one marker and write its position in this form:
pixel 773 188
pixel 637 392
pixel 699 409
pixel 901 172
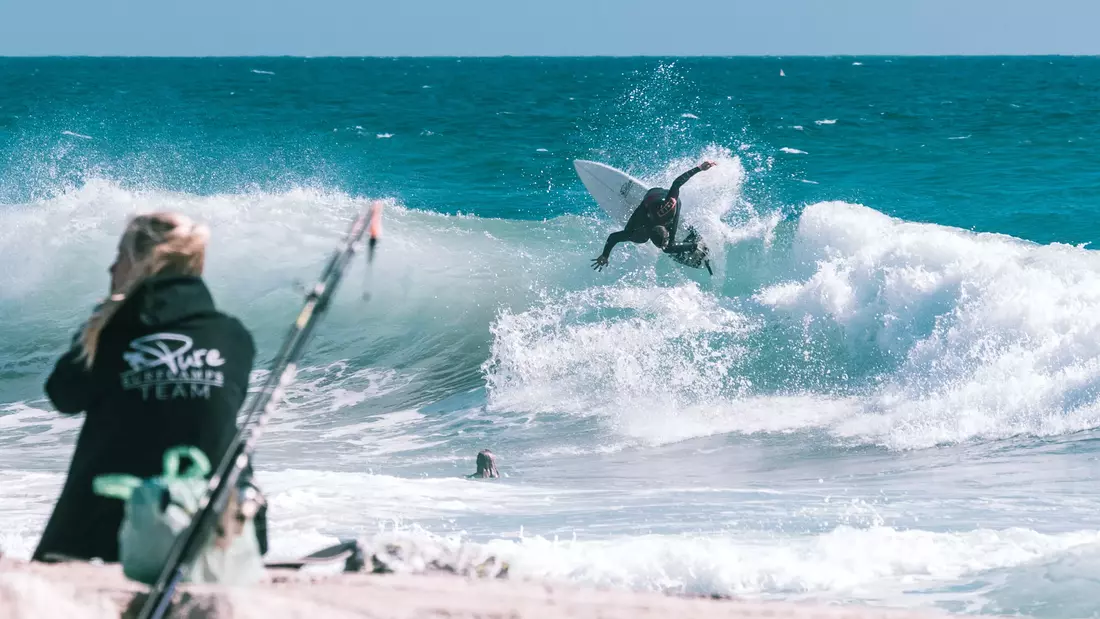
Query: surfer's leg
pixel 641 235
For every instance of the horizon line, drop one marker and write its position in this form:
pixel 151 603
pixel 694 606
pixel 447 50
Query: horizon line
pixel 543 56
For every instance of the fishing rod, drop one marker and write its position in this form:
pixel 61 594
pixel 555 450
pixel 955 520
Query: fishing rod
pixel 226 477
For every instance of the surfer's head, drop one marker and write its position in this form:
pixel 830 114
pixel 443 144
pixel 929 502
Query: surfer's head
pixel 152 244
pixel 486 464
pixel 659 236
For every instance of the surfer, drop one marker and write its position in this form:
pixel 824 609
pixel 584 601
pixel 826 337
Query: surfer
pixel 154 367
pixel 656 219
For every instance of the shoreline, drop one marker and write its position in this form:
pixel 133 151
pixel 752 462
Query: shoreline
pixel 90 591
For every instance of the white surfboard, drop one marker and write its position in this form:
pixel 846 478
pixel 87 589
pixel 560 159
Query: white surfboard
pixel 619 193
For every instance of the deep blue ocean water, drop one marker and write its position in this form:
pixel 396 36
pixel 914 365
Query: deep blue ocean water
pixel 888 393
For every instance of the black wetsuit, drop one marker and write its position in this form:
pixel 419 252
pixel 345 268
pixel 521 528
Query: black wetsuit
pixel 653 211
pixel 169 370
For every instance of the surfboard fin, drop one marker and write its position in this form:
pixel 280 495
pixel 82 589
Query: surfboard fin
pixel 707 264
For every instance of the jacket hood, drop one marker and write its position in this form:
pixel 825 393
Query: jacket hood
pixel 167 299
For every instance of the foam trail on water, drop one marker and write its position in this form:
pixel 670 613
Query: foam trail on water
pixel 833 565
pixel 878 564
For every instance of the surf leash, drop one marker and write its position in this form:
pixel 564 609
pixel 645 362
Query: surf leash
pixel 283 369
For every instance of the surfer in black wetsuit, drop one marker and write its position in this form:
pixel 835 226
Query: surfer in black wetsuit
pixel 656 219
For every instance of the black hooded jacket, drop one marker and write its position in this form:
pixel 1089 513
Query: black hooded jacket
pixel 169 370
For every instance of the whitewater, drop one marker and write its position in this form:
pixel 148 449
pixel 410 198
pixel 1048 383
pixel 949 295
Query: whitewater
pixel 862 405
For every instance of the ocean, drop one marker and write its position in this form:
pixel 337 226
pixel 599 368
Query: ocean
pixel 887 394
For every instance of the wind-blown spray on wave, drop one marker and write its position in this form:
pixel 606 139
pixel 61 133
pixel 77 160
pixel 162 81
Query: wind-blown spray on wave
pixel 650 350
pixel 989 336
pixel 262 244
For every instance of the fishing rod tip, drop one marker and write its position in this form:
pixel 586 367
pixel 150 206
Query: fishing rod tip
pixel 375 229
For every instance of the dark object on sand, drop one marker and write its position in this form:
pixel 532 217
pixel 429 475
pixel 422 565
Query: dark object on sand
pixel 348 551
pixel 404 556
pixel 486 465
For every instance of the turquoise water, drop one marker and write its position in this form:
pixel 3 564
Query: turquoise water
pixel 887 394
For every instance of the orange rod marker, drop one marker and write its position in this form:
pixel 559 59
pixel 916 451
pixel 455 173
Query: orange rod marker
pixel 375 230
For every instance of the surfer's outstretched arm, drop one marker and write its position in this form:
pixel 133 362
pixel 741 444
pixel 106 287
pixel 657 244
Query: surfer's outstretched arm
pixel 674 191
pixel 613 239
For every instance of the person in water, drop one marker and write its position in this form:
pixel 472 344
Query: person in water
pixel 486 465
pixel 154 367
pixel 656 219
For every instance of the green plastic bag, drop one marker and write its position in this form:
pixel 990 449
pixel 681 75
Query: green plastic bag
pixel 160 508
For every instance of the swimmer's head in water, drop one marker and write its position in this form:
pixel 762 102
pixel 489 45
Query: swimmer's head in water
pixel 659 236
pixel 486 464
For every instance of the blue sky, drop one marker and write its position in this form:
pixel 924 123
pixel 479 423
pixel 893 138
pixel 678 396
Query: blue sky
pixel 546 27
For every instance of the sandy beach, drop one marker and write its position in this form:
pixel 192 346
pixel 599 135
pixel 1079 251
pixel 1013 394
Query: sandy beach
pixel 85 591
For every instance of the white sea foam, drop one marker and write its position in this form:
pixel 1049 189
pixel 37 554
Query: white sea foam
pixel 994 336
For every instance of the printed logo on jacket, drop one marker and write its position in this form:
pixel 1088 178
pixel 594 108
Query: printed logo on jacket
pixel 166 366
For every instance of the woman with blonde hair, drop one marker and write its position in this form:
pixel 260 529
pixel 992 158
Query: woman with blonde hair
pixel 155 366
